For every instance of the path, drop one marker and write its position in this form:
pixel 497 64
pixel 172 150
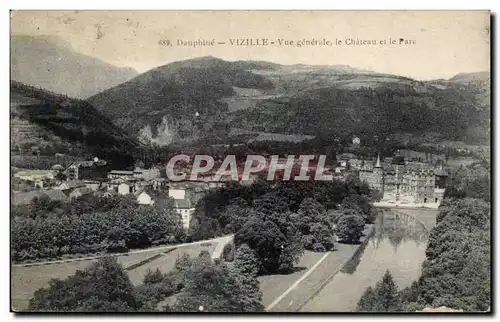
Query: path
pixel 221 240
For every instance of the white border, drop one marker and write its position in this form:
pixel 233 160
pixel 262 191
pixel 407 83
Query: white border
pixel 186 4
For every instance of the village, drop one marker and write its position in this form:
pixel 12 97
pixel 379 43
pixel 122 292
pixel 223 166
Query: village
pixel 407 178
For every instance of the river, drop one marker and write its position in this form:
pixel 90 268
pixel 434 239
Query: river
pixel 398 245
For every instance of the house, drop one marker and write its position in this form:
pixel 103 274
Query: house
pixel 120 174
pixel 26 198
pixel 356 141
pixel 184 208
pixel 125 188
pixel 149 196
pixel 35 177
pixel 88 170
pixel 145 198
pixel 92 184
pixel 159 183
pixel 146 174
pixel 68 186
pixel 177 193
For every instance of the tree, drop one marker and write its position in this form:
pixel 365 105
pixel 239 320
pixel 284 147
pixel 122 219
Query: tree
pixel 387 294
pixel 246 260
pixel 270 203
pixel 236 215
pixel 376 195
pixel 350 228
pixel 384 297
pixel 322 237
pixel 153 277
pixel 228 252
pixel 266 239
pixel 367 301
pixel 216 288
pixel 315 226
pixel 362 204
pixel 103 286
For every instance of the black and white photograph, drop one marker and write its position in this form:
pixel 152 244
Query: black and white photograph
pixel 250 161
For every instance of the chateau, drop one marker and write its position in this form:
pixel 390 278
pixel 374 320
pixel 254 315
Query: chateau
pixel 406 182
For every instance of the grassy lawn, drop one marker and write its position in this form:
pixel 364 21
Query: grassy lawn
pixel 26 280
pixel 273 286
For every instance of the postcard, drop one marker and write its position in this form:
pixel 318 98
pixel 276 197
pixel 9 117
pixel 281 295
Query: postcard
pixel 250 161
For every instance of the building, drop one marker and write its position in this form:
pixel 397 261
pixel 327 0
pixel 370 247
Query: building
pixel 147 174
pixel 374 176
pixel 36 177
pixel 149 196
pixel 145 198
pixel 125 187
pixel 356 141
pixel 88 170
pixel 120 174
pixel 184 208
pixel 406 182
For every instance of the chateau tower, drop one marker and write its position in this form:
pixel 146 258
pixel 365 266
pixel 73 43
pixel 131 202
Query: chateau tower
pixel 378 176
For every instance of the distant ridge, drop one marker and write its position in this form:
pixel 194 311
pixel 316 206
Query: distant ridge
pixel 51 62
pixel 204 98
pixel 470 77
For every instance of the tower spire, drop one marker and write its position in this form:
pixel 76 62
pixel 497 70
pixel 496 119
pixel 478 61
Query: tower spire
pixel 377 165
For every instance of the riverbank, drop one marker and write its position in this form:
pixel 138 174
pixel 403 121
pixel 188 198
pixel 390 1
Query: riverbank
pixel 288 293
pixel 398 245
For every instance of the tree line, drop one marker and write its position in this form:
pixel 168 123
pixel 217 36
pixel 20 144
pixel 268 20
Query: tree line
pixel 48 229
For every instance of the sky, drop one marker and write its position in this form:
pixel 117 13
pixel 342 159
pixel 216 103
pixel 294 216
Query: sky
pixel 442 43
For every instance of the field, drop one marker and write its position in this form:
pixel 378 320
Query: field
pixel 26 280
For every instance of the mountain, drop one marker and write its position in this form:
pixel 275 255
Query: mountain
pixel 465 78
pixel 54 123
pixel 51 63
pixel 205 98
pixel 180 100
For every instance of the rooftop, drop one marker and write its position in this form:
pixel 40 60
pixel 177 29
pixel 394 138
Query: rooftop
pixel 122 172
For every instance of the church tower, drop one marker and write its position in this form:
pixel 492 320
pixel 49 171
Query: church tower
pixel 378 176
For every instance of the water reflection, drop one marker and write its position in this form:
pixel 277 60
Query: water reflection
pixel 398 244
